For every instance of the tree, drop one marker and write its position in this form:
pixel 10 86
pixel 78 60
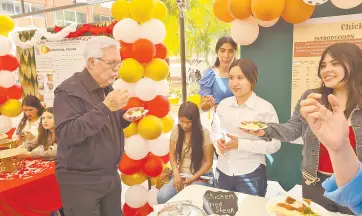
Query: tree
pixel 202 29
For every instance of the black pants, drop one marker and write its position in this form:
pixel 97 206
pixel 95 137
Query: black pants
pixel 254 183
pixel 315 193
pixel 92 200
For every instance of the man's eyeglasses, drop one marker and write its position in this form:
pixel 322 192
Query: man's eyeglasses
pixel 112 65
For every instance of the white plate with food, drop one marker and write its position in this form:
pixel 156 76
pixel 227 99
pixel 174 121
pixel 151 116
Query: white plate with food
pixel 252 125
pixel 137 113
pixel 289 206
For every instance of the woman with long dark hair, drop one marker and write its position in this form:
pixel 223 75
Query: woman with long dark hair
pixel 29 124
pixel 44 146
pixel 191 153
pixel 340 69
pixel 214 85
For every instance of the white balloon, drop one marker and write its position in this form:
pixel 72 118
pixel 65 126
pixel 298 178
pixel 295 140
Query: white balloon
pixel 315 2
pixel 160 146
pixel 136 196
pixel 244 32
pixel 162 87
pixel 6 124
pixel 5 47
pixel 267 23
pixel 146 89
pixel 346 4
pixel 152 196
pixel 136 147
pixel 7 79
pixel 127 30
pixel 153 30
pixel 121 84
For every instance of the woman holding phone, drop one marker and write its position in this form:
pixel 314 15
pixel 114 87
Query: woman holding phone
pixel 29 124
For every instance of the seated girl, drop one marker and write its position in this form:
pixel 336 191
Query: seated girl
pixel 191 153
pixel 44 146
pixel 27 129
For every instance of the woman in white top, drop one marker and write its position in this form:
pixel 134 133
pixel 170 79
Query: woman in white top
pixel 29 124
pixel 241 161
pixel 44 146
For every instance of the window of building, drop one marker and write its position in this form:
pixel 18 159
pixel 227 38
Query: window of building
pixel 101 18
pixel 35 7
pixel 66 17
pixel 11 7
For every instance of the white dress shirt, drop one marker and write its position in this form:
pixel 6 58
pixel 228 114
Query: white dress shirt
pixel 251 149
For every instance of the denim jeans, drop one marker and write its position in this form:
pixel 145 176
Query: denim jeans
pixel 167 191
pixel 254 183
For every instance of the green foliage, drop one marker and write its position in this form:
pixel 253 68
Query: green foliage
pixel 202 29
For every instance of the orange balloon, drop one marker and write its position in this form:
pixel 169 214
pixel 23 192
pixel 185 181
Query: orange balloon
pixel 153 166
pixel 296 11
pixel 267 10
pixel 144 50
pixel 129 166
pixel 134 102
pixel 240 9
pixel 221 11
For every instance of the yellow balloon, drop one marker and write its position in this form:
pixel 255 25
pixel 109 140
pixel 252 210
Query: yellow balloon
pixel 154 180
pixel 120 10
pixel 7 24
pixel 134 179
pixel 168 123
pixel 142 10
pixel 131 130
pixel 174 100
pixel 160 10
pixel 150 127
pixel 11 108
pixel 157 69
pixel 195 99
pixel 131 70
pixel 4 34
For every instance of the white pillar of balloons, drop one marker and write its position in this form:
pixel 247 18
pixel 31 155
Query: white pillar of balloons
pixel 10 93
pixel 144 71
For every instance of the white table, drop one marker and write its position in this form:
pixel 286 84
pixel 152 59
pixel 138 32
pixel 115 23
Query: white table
pixel 248 205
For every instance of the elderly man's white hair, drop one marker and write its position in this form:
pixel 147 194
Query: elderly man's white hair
pixel 94 47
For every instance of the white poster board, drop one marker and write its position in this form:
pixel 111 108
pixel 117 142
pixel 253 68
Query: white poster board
pixel 55 62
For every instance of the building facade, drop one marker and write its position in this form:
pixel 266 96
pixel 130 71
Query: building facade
pixel 81 15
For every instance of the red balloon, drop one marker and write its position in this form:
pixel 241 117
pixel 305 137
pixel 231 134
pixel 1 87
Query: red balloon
pixel 161 51
pixel 144 50
pixel 128 211
pixel 144 210
pixel 160 106
pixel 14 92
pixel 126 50
pixel 129 167
pixel 8 62
pixel 166 158
pixel 10 133
pixel 3 95
pixel 153 166
pixel 134 102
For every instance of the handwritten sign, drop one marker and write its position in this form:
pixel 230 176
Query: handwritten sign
pixel 220 203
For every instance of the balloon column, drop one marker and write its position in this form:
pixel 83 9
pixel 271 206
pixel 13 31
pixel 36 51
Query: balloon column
pixel 10 93
pixel 140 31
pixel 246 16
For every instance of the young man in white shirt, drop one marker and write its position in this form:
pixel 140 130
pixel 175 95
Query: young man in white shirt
pixel 241 162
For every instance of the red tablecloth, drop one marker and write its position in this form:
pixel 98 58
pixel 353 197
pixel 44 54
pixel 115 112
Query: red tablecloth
pixel 33 191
